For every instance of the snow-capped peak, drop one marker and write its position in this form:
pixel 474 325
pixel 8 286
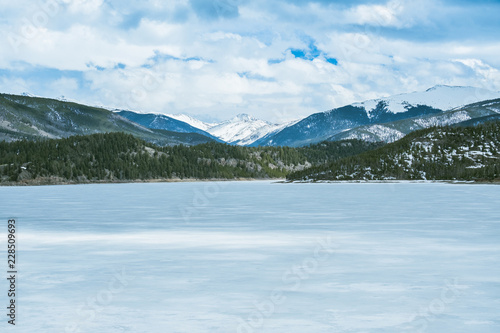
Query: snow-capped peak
pixel 242 129
pixel 440 97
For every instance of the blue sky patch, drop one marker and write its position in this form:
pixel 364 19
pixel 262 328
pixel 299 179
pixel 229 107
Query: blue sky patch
pixel 332 61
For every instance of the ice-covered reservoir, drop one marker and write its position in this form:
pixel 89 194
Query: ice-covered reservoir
pixel 256 257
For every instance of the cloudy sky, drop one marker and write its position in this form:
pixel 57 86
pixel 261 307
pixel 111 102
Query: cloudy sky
pixel 277 60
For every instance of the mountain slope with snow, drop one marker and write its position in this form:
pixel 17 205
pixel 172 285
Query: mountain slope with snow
pixel 324 125
pixel 385 119
pixel 439 97
pixel 192 121
pixel 242 130
pixel 162 122
pixel 33 118
pixel 479 112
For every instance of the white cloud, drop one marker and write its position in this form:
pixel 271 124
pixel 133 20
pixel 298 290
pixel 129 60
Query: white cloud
pixel 153 31
pixel 79 46
pixel 219 35
pixel 377 15
pixel 488 76
pixel 85 7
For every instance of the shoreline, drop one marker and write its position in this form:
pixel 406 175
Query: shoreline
pixel 396 181
pixel 58 181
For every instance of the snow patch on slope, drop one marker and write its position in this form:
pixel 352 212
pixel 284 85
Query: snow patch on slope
pixel 456 117
pixel 192 121
pixel 385 133
pixel 379 133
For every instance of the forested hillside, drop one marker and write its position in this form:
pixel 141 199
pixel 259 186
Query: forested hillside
pixel 123 157
pixel 442 153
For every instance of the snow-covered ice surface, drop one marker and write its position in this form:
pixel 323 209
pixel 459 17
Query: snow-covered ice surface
pixel 256 257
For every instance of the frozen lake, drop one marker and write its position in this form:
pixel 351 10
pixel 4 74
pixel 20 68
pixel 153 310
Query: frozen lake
pixel 255 257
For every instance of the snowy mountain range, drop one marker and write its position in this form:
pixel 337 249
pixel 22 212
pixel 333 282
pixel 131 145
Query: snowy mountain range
pixel 242 130
pixel 385 119
pixel 325 125
pixel 359 120
pixel 350 121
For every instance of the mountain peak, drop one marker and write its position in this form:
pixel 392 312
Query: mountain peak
pixel 243 129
